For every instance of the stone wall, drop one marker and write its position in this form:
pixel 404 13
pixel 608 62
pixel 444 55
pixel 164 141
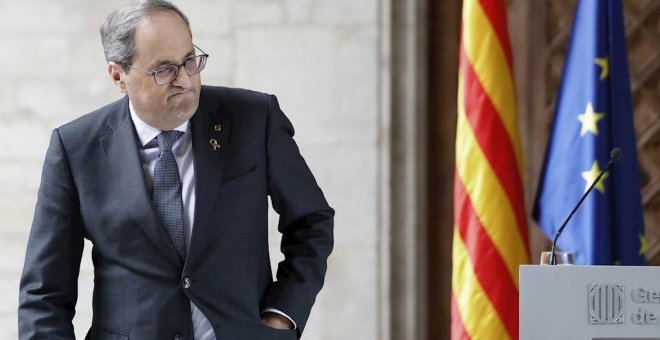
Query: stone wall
pixel 323 59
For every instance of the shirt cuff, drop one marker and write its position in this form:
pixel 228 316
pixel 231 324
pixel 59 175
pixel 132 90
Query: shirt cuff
pixel 277 311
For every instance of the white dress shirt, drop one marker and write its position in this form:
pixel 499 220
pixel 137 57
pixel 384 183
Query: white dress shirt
pixel 182 150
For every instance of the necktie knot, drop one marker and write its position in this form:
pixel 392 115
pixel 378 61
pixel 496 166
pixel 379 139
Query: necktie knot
pixel 166 140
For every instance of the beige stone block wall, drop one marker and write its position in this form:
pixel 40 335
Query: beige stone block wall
pixel 322 59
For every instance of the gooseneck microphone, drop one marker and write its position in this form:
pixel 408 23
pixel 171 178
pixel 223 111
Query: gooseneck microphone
pixel 615 154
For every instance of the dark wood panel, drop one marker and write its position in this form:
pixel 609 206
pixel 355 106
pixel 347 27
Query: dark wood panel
pixel 527 22
pixel 443 41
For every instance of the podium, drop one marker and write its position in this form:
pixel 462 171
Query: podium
pixel 589 303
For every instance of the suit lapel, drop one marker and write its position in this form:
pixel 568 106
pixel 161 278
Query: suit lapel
pixel 120 147
pixel 210 127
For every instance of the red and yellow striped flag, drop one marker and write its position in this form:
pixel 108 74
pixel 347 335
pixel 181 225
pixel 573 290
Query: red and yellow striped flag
pixel 490 232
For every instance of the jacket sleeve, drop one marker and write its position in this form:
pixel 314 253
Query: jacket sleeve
pixel 49 283
pixel 306 222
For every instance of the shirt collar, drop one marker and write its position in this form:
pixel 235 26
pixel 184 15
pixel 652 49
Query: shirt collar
pixel 146 133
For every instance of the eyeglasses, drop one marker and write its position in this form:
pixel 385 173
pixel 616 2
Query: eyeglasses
pixel 166 74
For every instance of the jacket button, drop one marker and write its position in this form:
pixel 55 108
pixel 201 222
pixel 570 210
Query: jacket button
pixel 186 284
pixel 179 337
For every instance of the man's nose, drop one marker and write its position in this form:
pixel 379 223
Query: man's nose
pixel 182 78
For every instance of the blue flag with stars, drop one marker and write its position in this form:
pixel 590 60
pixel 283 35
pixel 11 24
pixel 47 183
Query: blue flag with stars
pixel 593 115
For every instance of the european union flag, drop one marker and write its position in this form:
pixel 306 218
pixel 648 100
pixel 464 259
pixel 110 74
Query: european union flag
pixel 592 116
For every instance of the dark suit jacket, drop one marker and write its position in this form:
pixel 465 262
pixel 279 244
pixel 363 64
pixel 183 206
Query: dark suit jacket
pixel 93 187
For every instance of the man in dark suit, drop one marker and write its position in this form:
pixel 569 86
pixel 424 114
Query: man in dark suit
pixel 170 185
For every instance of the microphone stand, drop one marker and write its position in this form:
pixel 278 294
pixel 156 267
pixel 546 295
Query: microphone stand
pixel 614 155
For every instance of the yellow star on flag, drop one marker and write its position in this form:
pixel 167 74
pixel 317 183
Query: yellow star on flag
pixel 642 242
pixel 589 120
pixel 590 175
pixel 604 63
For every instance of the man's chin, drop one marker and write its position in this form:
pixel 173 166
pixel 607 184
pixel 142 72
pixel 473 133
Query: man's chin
pixel 187 112
pixel 184 108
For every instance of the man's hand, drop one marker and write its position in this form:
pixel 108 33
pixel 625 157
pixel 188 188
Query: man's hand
pixel 275 320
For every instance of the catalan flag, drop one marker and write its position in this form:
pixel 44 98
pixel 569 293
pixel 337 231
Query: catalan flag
pixel 490 232
pixel 593 115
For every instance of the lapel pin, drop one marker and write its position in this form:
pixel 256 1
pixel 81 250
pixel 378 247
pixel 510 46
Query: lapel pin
pixel 214 143
pixel 217 127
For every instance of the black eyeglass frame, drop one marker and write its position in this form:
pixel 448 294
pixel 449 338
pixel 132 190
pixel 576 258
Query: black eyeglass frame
pixel 202 62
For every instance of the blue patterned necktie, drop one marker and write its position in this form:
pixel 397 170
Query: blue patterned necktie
pixel 166 194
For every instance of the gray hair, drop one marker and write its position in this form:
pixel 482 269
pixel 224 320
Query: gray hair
pixel 118 28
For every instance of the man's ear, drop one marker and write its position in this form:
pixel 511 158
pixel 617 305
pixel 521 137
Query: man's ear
pixel 117 75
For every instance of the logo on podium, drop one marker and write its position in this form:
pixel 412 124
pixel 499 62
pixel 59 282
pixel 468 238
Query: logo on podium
pixel 605 304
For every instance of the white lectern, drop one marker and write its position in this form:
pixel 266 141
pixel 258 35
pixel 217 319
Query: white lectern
pixel 589 303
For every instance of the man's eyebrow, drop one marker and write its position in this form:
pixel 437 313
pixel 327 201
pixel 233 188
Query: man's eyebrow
pixel 161 63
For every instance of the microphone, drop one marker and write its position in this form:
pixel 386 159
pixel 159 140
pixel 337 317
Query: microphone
pixel 615 154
